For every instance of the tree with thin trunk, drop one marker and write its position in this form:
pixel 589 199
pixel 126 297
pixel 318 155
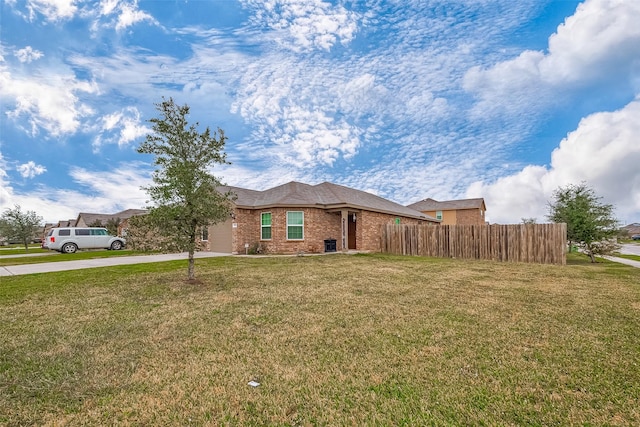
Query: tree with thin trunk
pixel 590 223
pixel 19 226
pixel 185 195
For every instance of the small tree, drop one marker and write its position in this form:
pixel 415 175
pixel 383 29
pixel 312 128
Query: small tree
pixel 529 220
pixel 18 225
pixel 143 235
pixel 184 193
pixel 112 225
pixel 590 223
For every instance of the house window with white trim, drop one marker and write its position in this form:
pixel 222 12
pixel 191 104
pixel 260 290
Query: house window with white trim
pixel 205 234
pixel 265 226
pixel 295 225
pixel 439 215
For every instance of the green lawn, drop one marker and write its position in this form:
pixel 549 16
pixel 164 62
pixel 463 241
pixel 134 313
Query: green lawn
pixel 53 256
pixel 332 340
pixel 21 251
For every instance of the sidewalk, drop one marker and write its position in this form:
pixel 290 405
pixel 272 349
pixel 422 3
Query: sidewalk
pixel 630 262
pixel 47 267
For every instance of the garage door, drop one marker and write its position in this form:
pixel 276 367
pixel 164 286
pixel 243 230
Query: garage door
pixel 220 238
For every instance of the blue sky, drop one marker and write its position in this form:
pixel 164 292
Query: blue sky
pixel 407 99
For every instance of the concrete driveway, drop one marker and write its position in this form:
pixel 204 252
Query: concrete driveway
pixel 47 267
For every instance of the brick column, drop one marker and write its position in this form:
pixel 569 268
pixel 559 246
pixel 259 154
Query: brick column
pixel 345 230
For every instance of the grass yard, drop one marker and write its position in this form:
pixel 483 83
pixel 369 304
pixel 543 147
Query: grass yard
pixel 53 256
pixel 332 340
pixel 20 251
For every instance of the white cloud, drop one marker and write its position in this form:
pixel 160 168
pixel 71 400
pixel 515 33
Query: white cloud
pixel 115 188
pixel 129 14
pixel 305 25
pixel 28 54
pixel 117 14
pixel 51 104
pixel 125 13
pixel 603 152
pixel 106 192
pixel 52 10
pixel 600 42
pixel 121 127
pixel 30 169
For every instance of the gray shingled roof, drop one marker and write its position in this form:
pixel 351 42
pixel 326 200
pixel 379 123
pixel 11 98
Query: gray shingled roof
pixel 323 196
pixel 92 218
pixel 447 205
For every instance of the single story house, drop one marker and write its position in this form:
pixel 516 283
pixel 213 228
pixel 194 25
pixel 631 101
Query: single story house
pixel 296 217
pixel 86 219
pixel 454 212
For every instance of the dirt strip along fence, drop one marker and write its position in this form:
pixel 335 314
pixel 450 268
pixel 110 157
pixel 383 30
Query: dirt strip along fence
pixel 531 243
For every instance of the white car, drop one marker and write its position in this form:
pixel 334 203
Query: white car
pixel 70 239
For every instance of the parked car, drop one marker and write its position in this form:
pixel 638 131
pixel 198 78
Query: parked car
pixel 70 239
pixel 635 237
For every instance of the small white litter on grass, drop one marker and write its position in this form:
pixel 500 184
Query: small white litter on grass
pixel 253 383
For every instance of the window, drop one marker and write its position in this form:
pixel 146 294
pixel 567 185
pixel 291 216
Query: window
pixel 83 232
pixel 439 215
pixel 265 230
pixel 204 236
pixel 66 232
pixel 295 225
pixel 98 232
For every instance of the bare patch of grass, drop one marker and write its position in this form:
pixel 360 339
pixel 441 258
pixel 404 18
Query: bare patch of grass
pixel 332 340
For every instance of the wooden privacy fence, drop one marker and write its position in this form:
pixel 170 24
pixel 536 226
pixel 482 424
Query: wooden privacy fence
pixel 533 243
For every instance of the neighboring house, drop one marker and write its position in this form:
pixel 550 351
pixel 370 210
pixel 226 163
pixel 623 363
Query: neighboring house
pixel 67 223
pixel 631 229
pixel 89 219
pixel 297 217
pixel 118 220
pixel 48 226
pixel 454 212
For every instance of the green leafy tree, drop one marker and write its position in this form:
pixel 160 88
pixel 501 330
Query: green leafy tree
pixel 19 226
pixel 590 223
pixel 184 193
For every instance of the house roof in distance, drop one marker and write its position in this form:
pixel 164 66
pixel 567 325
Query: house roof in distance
pixel 448 205
pixel 93 218
pixel 323 196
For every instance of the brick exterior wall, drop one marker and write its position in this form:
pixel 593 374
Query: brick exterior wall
pixel 368 228
pixel 318 226
pixel 469 217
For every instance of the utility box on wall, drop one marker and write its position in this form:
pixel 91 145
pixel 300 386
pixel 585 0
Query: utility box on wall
pixel 330 245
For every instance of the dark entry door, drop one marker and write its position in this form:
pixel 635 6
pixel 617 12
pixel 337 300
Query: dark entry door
pixel 352 231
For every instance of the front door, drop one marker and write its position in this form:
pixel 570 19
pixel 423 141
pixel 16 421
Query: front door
pixel 352 230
